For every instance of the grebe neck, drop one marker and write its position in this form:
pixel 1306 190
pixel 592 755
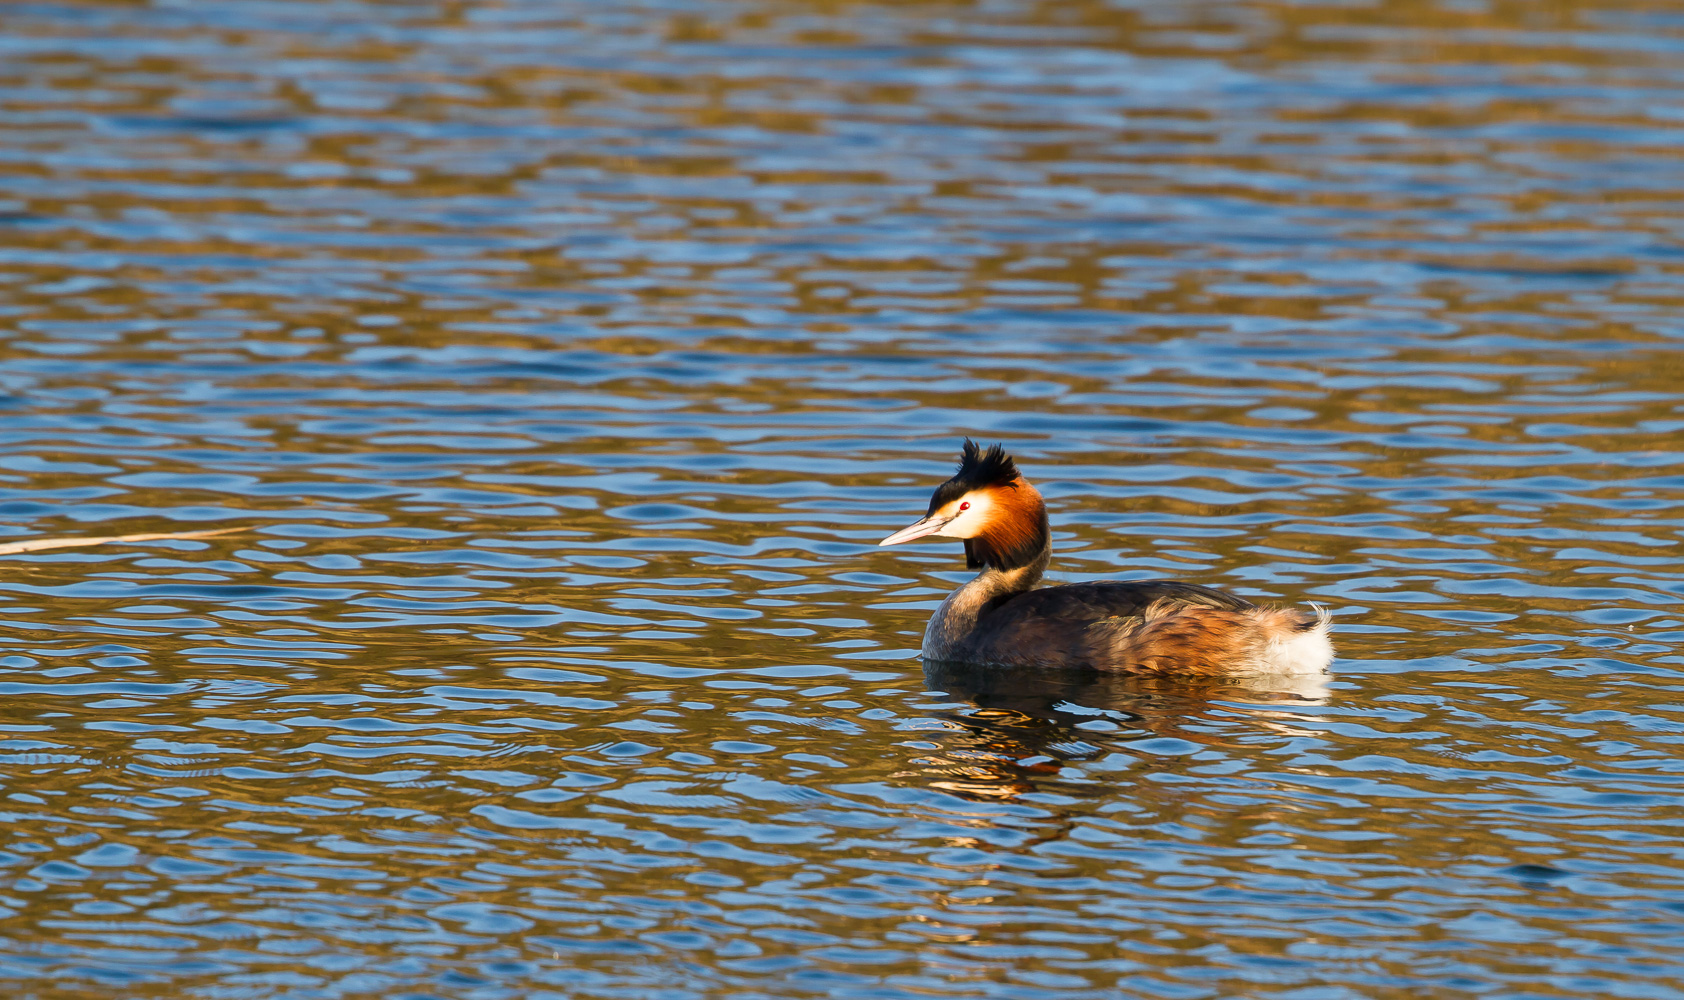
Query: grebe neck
pixel 957 617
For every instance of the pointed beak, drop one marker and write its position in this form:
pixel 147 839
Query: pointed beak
pixel 918 529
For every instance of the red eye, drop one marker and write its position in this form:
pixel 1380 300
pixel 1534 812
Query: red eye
pixel 965 506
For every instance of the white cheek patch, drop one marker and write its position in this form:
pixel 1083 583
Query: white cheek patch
pixel 970 522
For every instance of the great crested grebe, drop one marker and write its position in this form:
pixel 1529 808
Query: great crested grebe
pixel 1149 627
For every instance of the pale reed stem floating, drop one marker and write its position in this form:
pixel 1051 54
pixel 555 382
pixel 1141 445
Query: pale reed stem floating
pixel 37 544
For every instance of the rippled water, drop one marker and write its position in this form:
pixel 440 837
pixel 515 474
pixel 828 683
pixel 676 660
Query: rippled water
pixel 566 361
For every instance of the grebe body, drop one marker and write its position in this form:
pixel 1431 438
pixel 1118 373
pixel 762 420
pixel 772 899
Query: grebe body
pixel 1003 618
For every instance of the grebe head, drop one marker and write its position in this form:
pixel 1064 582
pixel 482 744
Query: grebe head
pixel 988 504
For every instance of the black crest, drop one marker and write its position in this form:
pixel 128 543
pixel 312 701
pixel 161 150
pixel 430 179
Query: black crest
pixel 977 468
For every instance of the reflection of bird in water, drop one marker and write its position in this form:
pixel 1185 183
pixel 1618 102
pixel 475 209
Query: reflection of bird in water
pixel 1157 627
pixel 1029 757
pixel 1005 734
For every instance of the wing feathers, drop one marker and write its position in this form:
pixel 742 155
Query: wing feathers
pixel 1151 627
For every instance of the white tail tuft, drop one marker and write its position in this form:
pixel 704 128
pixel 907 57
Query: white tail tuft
pixel 1291 651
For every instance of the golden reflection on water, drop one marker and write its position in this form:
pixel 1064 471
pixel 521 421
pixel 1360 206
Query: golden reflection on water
pixel 566 361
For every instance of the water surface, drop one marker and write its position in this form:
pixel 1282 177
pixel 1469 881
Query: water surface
pixel 566 361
